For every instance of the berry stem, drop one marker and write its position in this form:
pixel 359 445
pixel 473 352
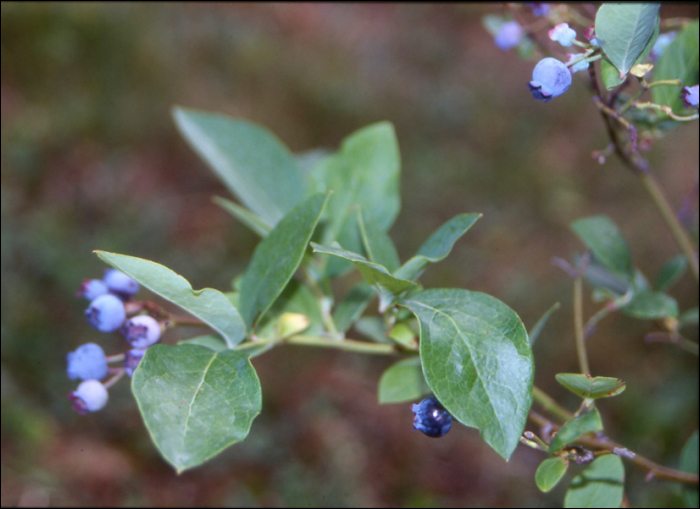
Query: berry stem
pixel 119 373
pixel 578 327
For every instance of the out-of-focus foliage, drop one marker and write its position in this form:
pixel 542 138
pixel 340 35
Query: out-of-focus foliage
pixel 92 160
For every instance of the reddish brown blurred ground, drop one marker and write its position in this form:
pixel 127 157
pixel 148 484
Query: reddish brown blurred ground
pixel 90 159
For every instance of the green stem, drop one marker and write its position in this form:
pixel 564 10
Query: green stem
pixel 349 345
pixel 667 110
pixel 679 234
pixel 578 327
pixel 550 405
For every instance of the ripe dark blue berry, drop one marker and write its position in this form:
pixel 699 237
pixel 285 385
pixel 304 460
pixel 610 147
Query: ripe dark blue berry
pixel 431 418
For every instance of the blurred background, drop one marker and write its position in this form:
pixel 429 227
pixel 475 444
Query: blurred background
pixel 91 159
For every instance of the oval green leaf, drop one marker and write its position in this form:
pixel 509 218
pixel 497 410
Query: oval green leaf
pixel 478 362
pixel 438 245
pixel 670 273
pixel 550 472
pixel 194 401
pixel 648 305
pixel 350 309
pixel 245 216
pixel 576 427
pixel 277 257
pixel 689 463
pixel 623 31
pixel 209 305
pixel 378 245
pixel 250 161
pixel 678 62
pixel 601 484
pixel 591 387
pixel 604 239
pixel 402 381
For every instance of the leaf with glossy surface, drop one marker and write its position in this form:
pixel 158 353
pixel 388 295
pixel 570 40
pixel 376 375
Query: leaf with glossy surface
pixel 576 427
pixel 251 162
pixel 378 245
pixel 374 274
pixel 550 472
pixel 591 387
pixel 689 463
pixel 245 216
pixel 402 381
pixel 537 328
pixel 210 341
pixel 609 74
pixel 477 360
pixel 604 239
pixel 623 31
pixel 209 305
pixel 679 61
pixel 601 484
pixel 670 273
pixel 194 401
pixel 438 245
pixel 277 257
pixel 648 305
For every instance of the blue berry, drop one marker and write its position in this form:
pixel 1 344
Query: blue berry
pixel 509 35
pixel 132 359
pixel 91 289
pixel 141 331
pixel 550 78
pixel 563 34
pixel 120 283
pixel 538 8
pixel 90 396
pixel 431 418
pixel 87 362
pixel 661 44
pixel 689 96
pixel 106 313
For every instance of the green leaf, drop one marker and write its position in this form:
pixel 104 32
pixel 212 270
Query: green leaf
pixel 678 61
pixel 350 309
pixel 402 381
pixel 550 472
pixel 438 245
pixel 670 273
pixel 477 360
pixel 537 328
pixel 623 31
pixel 245 216
pixel 610 75
pixel 606 242
pixel 210 341
pixel 251 162
pixel 195 402
pixel 372 327
pixel 295 298
pixel 576 427
pixel 210 306
pixel 689 463
pixel 277 257
pixel 591 387
pixel 601 484
pixel 648 305
pixel 378 245
pixel 402 334
pixel 374 274
pixel 365 172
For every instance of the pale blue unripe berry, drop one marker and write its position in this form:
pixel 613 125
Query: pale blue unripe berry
pixel 92 288
pixel 141 331
pixel 88 361
pixel 106 313
pixel 120 283
pixel 90 396
pixel 550 78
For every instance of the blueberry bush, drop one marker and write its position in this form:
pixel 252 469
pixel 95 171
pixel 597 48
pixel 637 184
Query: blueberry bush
pixel 464 356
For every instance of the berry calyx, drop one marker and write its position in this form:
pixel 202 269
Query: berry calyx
pixel 90 396
pixel 141 331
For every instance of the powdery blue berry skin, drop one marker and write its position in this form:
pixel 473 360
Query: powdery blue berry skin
pixel 106 313
pixel 431 418
pixel 550 79
pixel 563 34
pixel 580 66
pixel 132 359
pixel 120 283
pixel 91 289
pixel 87 362
pixel 689 96
pixel 141 331
pixel 509 35
pixel 90 396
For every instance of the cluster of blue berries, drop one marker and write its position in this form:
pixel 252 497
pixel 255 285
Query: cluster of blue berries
pixel 111 302
pixel 431 418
